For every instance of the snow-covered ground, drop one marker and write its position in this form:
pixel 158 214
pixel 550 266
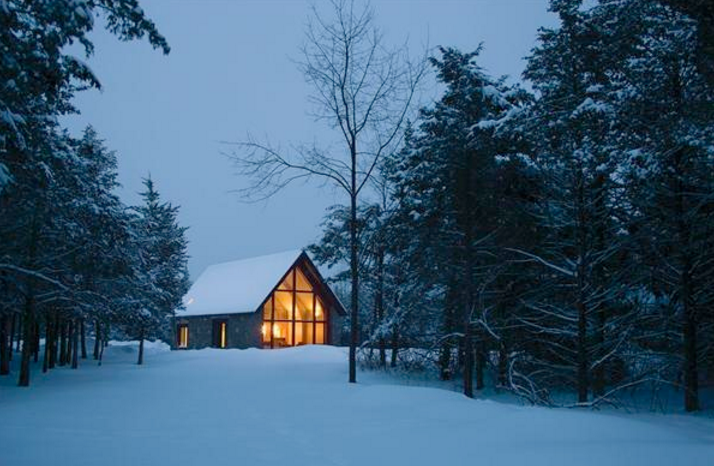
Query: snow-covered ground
pixel 294 407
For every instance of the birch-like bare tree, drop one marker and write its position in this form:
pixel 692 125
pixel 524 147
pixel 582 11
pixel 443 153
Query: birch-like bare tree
pixel 362 89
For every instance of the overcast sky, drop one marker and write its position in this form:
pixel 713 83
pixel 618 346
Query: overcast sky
pixel 230 73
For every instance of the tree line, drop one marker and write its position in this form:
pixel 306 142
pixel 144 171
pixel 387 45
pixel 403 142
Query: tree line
pixel 75 261
pixel 556 238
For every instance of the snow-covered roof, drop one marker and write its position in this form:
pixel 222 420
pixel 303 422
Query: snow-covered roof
pixel 236 287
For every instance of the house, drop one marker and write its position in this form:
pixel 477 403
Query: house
pixel 272 301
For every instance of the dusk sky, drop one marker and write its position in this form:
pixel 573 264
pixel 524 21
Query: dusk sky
pixel 231 72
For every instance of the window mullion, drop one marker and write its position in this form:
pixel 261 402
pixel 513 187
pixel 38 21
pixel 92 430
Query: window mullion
pixel 272 320
pixel 294 302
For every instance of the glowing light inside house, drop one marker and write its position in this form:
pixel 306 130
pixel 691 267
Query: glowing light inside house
pixel 183 336
pixel 318 311
pixel 294 314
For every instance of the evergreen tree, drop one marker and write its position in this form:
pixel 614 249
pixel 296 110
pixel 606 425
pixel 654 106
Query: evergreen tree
pixel 42 178
pixel 162 267
pixel 444 180
pixel 666 104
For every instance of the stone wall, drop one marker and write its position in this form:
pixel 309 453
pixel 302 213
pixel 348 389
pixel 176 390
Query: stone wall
pixel 336 332
pixel 243 330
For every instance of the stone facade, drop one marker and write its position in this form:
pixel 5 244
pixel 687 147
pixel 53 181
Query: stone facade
pixel 242 331
pixel 336 333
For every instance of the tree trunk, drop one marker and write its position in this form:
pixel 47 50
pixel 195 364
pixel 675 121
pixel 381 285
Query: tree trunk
pixel 54 346
pixel 84 340
pixel 101 350
pixel 600 276
pixel 354 270
pixel 75 344
pixel 468 332
pixel 691 372
pixel 447 345
pixel 48 345
pixel 5 344
pixel 19 334
pixel 70 340
pixel 502 364
pixel 480 362
pixel 379 308
pixel 140 361
pixel 395 345
pixel 599 370
pixel 97 339
pixel 468 358
pixel 689 324
pixel 27 338
pixel 12 335
pixel 63 343
pixel 36 343
pixel 582 377
pixel 583 369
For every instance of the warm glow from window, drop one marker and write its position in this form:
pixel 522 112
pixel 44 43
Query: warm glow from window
pixel 318 311
pixel 223 334
pixel 294 314
pixel 183 336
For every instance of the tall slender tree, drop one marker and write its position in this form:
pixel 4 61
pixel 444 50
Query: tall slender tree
pixel 362 89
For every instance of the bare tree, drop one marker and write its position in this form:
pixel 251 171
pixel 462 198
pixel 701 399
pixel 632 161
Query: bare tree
pixel 362 89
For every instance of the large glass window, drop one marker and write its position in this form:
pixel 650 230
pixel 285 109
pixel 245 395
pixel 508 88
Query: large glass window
pixel 283 301
pixel 304 303
pixel 182 335
pixel 301 281
pixel 294 314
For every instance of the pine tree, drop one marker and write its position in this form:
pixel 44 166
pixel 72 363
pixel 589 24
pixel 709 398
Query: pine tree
pixel 38 80
pixel 663 95
pixel 444 183
pixel 162 267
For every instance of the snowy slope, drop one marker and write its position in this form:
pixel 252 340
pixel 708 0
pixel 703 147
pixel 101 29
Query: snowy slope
pixel 293 407
pixel 237 286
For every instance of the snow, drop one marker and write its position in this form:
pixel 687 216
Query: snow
pixel 294 407
pixel 490 92
pixel 236 287
pixel 590 105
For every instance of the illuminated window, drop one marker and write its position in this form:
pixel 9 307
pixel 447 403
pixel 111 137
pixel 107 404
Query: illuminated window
pixel 301 282
pixel 283 301
pixel 319 311
pixel 320 334
pixel 304 303
pixel 220 333
pixel 294 314
pixel 182 335
pixel 287 283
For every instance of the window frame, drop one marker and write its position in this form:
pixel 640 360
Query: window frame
pixel 293 272
pixel 179 327
pixel 220 333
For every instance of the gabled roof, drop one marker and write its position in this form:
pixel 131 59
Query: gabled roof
pixel 236 287
pixel 241 287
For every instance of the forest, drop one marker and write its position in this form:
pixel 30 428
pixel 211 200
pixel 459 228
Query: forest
pixel 551 237
pixel 75 260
